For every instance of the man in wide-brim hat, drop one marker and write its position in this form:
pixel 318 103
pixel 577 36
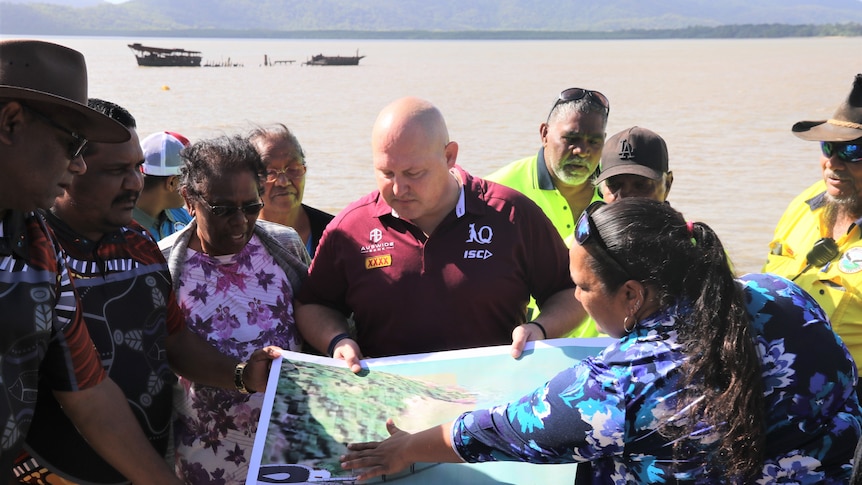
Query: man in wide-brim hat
pixel 44 126
pixel 828 214
pixel 43 90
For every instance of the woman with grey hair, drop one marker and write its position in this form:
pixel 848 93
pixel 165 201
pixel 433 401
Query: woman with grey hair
pixel 235 278
pixel 284 159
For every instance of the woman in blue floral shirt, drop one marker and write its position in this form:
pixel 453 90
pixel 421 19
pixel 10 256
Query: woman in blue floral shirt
pixel 713 380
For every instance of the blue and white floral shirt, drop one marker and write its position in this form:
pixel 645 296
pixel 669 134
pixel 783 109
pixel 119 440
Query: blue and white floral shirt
pixel 606 409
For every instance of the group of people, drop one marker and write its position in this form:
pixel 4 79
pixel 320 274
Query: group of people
pixel 147 284
pixel 99 324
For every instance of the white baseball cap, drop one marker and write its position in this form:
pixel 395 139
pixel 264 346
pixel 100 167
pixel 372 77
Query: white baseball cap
pixel 162 153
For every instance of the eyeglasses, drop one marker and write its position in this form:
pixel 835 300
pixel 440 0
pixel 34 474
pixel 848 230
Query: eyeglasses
pixel 230 210
pixel 585 231
pixel 76 146
pixel 848 152
pixel 574 94
pixel 292 172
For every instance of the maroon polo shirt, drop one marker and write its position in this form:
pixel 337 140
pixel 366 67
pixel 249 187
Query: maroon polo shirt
pixel 466 285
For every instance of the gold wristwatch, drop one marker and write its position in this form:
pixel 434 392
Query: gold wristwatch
pixel 237 378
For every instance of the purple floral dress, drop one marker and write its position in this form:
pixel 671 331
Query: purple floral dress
pixel 238 303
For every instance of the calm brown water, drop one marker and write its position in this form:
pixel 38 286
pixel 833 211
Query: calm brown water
pixel 725 107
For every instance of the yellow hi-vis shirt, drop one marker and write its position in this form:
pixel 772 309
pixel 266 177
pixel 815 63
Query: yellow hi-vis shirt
pixel 530 177
pixel 837 286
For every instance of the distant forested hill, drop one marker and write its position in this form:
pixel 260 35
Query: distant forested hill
pixel 435 17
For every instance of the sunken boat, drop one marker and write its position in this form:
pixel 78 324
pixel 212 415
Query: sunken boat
pixel 161 57
pixel 322 60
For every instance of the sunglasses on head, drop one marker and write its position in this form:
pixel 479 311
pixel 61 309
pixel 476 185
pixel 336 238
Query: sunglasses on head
pixel 847 152
pixel 76 146
pixel 586 231
pixel 230 210
pixel 574 94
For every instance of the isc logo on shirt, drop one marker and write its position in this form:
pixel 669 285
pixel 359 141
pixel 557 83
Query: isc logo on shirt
pixel 477 254
pixel 380 261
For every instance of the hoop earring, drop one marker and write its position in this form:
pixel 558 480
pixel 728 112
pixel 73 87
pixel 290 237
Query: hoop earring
pixel 625 326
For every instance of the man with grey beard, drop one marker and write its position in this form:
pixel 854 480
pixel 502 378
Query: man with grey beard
pixel 559 178
pixel 818 241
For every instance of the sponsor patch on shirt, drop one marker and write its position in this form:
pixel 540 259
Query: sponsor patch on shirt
pixel 371 248
pixel 851 262
pixel 477 254
pixel 379 261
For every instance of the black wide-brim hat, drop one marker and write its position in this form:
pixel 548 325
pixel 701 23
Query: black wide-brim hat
pixel 845 124
pixel 55 76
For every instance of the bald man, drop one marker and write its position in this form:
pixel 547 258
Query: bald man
pixel 435 259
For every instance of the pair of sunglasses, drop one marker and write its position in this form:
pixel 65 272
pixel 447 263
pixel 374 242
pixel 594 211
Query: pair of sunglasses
pixel 586 231
pixel 230 210
pixel 847 152
pixel 78 142
pixel 574 94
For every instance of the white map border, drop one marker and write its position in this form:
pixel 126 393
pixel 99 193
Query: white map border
pixel 496 472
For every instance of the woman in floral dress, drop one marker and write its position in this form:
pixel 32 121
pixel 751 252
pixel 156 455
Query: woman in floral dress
pixel 713 379
pixel 235 278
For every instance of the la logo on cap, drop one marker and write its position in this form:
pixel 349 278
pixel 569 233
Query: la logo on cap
pixel 627 151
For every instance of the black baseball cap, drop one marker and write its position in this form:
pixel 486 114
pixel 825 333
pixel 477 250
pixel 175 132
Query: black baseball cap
pixel 636 151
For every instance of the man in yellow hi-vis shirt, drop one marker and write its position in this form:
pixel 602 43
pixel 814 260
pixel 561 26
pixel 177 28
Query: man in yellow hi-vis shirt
pixel 818 241
pixel 634 163
pixel 559 177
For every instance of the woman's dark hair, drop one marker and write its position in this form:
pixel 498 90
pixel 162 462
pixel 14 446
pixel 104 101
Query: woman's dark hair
pixel 721 383
pixel 218 157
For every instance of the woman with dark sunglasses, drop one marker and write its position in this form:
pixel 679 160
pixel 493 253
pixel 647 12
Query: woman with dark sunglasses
pixel 235 277
pixel 713 379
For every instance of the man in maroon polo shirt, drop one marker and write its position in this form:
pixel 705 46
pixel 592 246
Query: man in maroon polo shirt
pixel 435 259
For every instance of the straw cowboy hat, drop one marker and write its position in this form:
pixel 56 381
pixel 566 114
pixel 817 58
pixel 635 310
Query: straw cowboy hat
pixel 845 124
pixel 32 70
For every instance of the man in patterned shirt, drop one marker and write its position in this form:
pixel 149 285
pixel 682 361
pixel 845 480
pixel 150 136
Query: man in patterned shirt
pixel 130 309
pixel 44 126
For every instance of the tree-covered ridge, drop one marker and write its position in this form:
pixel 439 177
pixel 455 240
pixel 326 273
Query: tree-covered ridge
pixel 450 19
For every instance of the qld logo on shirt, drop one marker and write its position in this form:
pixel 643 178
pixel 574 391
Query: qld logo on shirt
pixel 482 235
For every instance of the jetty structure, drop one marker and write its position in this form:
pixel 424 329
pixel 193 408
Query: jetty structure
pixel 222 63
pixel 270 62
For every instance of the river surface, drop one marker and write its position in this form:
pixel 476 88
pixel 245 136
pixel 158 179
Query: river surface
pixel 725 107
